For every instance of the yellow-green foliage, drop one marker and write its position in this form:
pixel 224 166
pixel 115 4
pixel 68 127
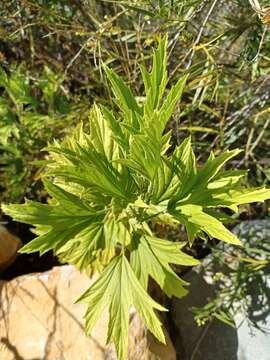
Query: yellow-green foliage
pixel 110 185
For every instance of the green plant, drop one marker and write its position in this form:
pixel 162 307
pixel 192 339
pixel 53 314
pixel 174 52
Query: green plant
pixel 111 186
pixel 31 114
pixel 239 277
pixel 225 44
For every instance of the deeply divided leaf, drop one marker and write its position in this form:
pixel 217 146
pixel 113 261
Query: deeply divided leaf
pixel 111 185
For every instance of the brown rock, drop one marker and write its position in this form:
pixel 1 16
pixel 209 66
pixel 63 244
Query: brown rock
pixel 39 320
pixel 9 245
pixel 144 346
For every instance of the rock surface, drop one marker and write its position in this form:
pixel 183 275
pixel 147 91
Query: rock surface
pixel 39 320
pixel 9 245
pixel 216 340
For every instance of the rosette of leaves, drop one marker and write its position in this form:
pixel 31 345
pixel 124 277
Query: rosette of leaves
pixel 110 186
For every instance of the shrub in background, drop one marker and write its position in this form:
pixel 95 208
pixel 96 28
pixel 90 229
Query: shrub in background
pixel 31 114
